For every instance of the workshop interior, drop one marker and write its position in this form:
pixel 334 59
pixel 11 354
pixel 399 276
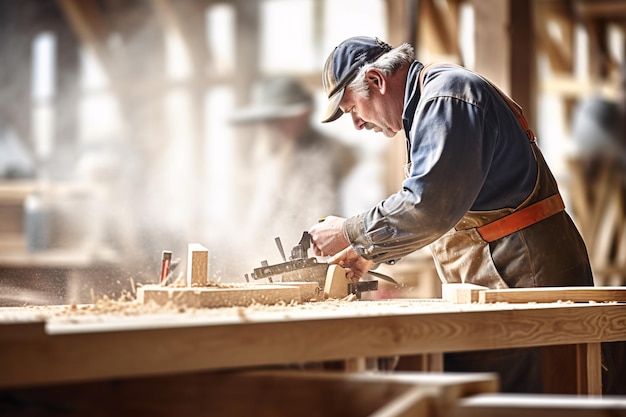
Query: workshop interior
pixel 154 217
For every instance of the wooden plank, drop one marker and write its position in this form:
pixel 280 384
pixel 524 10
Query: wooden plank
pixel 264 393
pixel 214 297
pixel 122 346
pixel 523 405
pixel 554 294
pixel 572 369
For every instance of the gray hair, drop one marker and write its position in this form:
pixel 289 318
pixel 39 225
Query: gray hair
pixel 388 64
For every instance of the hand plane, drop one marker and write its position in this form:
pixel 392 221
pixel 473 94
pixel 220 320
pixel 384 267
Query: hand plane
pixel 301 267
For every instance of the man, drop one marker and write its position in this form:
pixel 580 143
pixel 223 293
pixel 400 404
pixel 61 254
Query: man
pixel 477 191
pixel 295 171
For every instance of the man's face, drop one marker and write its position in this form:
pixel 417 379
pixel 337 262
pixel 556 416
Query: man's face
pixel 374 112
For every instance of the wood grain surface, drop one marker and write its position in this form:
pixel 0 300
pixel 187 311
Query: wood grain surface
pixel 469 293
pixel 66 348
pixel 213 297
pixel 553 295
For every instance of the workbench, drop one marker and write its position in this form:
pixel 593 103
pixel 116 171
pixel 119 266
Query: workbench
pixel 70 344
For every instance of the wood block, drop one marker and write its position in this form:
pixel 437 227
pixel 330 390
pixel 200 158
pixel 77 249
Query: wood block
pixel 197 265
pixel 309 291
pixel 461 293
pixel 554 294
pixel 336 285
pixel 214 297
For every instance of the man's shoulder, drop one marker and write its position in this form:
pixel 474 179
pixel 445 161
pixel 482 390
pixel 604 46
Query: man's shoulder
pixel 441 80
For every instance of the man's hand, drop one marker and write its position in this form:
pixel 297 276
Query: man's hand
pixel 357 265
pixel 327 237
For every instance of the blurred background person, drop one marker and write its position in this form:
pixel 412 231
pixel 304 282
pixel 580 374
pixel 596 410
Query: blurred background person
pixel 296 173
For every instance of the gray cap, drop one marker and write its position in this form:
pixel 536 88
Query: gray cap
pixel 275 98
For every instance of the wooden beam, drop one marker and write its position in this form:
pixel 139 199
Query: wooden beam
pixel 438 30
pixel 402 21
pixel 186 20
pixel 493 42
pixel 523 58
pixel 560 51
pixel 87 21
pixel 605 9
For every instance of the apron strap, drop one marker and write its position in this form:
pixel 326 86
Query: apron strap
pixel 526 216
pixel 522 218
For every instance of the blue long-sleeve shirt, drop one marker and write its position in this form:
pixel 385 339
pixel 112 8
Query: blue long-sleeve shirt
pixel 468 153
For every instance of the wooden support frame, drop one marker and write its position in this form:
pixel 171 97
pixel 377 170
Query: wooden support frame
pixel 560 377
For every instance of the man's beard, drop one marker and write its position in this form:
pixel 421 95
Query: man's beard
pixel 384 129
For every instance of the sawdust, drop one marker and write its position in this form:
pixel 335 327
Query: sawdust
pixel 128 305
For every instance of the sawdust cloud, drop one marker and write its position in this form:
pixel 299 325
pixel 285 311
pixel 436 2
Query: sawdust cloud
pixel 145 157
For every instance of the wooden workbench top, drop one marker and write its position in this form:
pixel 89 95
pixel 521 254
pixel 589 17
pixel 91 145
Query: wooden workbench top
pixel 57 344
pixel 126 316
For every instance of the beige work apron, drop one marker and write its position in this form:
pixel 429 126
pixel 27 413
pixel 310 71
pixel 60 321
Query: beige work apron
pixel 462 256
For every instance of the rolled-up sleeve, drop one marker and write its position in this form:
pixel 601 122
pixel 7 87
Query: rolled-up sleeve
pixel 450 161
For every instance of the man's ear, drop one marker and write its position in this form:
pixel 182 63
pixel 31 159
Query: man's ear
pixel 376 79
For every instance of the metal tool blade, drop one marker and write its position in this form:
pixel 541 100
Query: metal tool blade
pixel 383 277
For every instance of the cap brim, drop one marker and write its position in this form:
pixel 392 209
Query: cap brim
pixel 333 112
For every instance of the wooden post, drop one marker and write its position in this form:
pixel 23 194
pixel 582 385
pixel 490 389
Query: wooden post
pixel 427 362
pixel 197 265
pixel 572 369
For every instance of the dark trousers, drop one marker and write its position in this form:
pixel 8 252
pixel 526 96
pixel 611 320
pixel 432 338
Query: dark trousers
pixel 520 370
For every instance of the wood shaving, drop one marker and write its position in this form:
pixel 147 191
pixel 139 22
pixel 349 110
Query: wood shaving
pixel 128 305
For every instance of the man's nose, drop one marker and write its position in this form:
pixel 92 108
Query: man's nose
pixel 357 121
